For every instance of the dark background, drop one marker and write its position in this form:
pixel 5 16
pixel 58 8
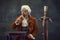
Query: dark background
pixel 10 9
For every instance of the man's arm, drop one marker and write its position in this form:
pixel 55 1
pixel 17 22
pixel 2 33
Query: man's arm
pixel 35 30
pixel 13 25
pixel 16 23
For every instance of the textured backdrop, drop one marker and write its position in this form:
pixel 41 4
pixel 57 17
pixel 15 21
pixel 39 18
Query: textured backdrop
pixel 10 9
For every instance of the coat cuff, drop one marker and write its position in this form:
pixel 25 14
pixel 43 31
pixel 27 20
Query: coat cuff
pixel 16 23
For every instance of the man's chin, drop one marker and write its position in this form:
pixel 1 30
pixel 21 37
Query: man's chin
pixel 24 15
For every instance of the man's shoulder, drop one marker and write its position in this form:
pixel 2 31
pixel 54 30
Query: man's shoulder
pixel 33 18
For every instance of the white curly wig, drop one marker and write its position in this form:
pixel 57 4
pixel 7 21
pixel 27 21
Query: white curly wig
pixel 26 7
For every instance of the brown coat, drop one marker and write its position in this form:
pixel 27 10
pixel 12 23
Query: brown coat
pixel 32 26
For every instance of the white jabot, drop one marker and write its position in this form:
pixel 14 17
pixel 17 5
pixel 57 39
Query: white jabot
pixel 25 22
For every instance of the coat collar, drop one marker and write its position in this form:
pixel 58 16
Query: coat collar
pixel 29 18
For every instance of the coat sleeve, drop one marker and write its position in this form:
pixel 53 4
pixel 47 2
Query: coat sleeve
pixel 18 20
pixel 13 25
pixel 35 30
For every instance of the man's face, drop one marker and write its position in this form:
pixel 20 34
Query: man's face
pixel 25 12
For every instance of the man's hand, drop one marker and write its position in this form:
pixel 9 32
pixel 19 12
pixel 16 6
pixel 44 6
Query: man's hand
pixel 31 36
pixel 18 21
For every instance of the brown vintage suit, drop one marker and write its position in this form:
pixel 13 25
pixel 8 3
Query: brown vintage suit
pixel 32 27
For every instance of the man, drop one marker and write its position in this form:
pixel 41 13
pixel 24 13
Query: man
pixel 25 22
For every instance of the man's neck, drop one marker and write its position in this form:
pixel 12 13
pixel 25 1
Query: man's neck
pixel 25 17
